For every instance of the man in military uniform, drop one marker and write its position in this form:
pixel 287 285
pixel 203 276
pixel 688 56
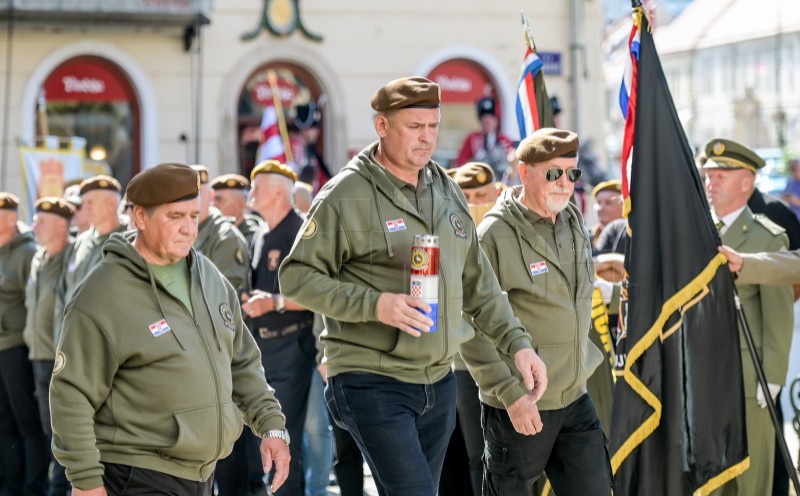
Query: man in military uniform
pixel 539 248
pixel 148 395
pixel 282 328
pixel 218 238
pixel 229 196
pixel 779 268
pixel 731 170
pixel 23 449
pixel 80 221
pixel 100 196
pixel 389 377
pixel 51 229
pixel 610 235
pixel 489 144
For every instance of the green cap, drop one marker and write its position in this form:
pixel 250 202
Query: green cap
pixel 727 154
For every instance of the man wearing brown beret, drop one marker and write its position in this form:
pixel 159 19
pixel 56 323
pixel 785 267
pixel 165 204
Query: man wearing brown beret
pixel 390 381
pixel 539 248
pixel 23 449
pixel 149 391
pixel 229 196
pixel 43 325
pixel 218 238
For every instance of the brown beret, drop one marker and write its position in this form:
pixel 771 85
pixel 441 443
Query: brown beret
pixel 611 184
pixel 55 205
pixel 547 143
pixel 202 171
pixel 412 92
pixel 230 181
pixel 8 201
pixel 473 175
pixel 101 181
pixel 273 167
pixel 164 183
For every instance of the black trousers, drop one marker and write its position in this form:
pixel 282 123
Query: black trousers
pixel 241 473
pixel 468 405
pixel 24 447
pixel 124 480
pixel 42 373
pixel 348 462
pixel 570 449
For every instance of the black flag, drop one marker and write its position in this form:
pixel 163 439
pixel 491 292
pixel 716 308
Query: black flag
pixel 679 420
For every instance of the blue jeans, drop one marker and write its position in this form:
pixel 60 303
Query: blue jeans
pixel 317 440
pixel 402 428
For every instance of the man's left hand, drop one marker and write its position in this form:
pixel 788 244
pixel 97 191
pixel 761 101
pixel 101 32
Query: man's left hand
pixel 275 451
pixel 735 262
pixel 259 303
pixel 533 370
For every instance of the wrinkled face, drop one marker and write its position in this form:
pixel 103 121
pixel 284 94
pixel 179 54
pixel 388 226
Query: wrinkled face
pixel 483 194
pixel 100 205
pixel 8 222
pixel 728 189
pixel 48 227
pixel 168 231
pixel 547 196
pixel 408 136
pixel 608 204
pixel 228 201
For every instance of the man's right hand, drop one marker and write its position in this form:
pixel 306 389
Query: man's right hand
pixel 98 491
pixel 403 312
pixel 735 262
pixel 524 415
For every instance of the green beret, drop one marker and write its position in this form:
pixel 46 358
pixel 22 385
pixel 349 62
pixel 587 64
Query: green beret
pixel 230 181
pixel 8 201
pixel 611 184
pixel 727 154
pixel 55 205
pixel 412 92
pixel 473 175
pixel 101 181
pixel 547 143
pixel 164 183
pixel 273 167
pixel 202 171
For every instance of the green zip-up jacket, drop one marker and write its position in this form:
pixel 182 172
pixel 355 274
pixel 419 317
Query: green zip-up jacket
pixel 220 240
pixel 556 312
pixel 43 302
pixel 140 381
pixel 15 267
pixel 346 256
pixel 84 255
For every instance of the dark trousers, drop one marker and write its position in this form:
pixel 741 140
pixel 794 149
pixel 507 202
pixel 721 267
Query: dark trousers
pixel 289 363
pixel 401 428
pixel 24 447
pixel 468 405
pixel 347 463
pixel 241 473
pixel 570 449
pixel 42 372
pixel 124 480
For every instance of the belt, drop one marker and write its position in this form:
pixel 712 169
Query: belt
pixel 268 333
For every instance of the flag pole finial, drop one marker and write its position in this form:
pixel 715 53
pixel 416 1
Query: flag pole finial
pixel 636 4
pixel 526 31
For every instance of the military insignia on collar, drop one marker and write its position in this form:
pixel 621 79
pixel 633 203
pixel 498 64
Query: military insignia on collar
pixel 227 316
pixel 458 226
pixel 310 230
pixel 61 361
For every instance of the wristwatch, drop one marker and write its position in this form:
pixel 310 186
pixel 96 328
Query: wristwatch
pixel 280 304
pixel 280 434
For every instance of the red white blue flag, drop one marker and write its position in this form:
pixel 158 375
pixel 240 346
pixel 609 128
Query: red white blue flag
pixel 627 103
pixel 271 147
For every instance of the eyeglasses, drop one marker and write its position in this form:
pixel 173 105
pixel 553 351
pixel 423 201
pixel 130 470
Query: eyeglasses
pixel 554 173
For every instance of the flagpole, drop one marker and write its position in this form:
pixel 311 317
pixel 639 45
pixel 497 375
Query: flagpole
pixel 762 381
pixel 272 79
pixel 527 33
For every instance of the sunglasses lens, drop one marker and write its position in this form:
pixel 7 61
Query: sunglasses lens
pixel 553 174
pixel 574 174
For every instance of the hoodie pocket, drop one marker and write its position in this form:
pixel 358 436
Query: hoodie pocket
pixel 198 433
pixel 559 359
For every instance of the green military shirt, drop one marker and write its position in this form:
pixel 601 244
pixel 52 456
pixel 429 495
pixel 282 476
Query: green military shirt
pixel 220 241
pixel 41 297
pixel 15 266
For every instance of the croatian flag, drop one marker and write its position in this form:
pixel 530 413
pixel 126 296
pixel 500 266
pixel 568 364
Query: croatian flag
pixel 627 103
pixel 272 146
pixel 527 105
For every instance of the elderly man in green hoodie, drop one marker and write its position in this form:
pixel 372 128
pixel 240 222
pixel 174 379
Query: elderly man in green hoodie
pixel 390 381
pixel 539 248
pixel 150 385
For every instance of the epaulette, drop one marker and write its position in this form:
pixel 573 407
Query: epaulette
pixel 770 226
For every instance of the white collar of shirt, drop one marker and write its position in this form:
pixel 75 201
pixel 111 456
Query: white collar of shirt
pixel 729 219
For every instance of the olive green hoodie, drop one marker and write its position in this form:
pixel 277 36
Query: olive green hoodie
pixel 556 314
pixel 220 240
pixel 352 248
pixel 15 267
pixel 140 381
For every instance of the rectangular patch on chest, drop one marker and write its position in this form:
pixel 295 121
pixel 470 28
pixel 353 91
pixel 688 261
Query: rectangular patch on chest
pixel 538 268
pixel 396 225
pixel 159 328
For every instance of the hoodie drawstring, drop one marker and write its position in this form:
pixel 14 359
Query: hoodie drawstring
pixel 380 216
pixel 160 307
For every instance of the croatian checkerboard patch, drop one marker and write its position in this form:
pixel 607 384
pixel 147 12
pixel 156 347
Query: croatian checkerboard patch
pixel 538 268
pixel 396 225
pixel 159 328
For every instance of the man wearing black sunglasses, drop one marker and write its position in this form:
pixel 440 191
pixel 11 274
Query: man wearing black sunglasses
pixel 546 268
